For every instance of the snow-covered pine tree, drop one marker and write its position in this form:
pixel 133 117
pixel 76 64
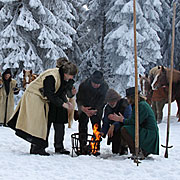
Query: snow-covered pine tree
pixel 120 41
pixel 62 27
pixel 94 57
pixel 177 37
pixel 31 36
pixel 16 43
pixel 148 27
pixel 75 51
pixel 166 31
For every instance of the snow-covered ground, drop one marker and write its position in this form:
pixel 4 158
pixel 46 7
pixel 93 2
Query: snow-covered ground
pixel 16 162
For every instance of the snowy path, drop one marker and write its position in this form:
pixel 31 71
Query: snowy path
pixel 16 162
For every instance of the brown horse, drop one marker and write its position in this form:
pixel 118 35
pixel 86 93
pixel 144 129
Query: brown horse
pixel 162 79
pixel 158 98
pixel 28 77
pixel 146 81
pixel 1 81
pixel 146 89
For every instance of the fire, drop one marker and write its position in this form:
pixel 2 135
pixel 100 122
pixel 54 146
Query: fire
pixel 94 144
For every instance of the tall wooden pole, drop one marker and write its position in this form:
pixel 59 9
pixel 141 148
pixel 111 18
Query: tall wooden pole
pixel 136 89
pixel 171 78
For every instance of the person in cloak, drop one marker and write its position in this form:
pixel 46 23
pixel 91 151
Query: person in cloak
pixel 90 99
pixel 148 129
pixel 30 118
pixel 115 104
pixel 59 116
pixel 7 91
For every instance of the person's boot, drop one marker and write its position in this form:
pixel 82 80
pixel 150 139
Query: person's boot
pixel 145 153
pixel 62 151
pixel 36 150
pixel 123 150
pixel 140 156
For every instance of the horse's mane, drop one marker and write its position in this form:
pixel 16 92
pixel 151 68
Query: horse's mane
pixel 176 75
pixel 154 71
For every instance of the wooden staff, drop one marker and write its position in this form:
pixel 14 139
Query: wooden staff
pixel 170 82
pixel 136 90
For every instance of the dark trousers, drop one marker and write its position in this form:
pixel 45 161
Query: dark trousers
pixel 59 131
pixel 127 138
pixel 116 141
pixel 83 126
pixel 118 145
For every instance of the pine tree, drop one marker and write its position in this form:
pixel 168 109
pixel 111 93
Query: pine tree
pixel 74 53
pixel 94 56
pixel 120 43
pixel 31 36
pixel 149 28
pixel 16 45
pixel 165 34
pixel 177 37
pixel 120 40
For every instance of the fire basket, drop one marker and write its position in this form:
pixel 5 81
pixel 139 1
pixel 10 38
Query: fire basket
pixel 92 145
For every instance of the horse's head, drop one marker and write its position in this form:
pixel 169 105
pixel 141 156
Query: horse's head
pixel 145 84
pixel 1 81
pixel 27 77
pixel 153 72
pixel 160 79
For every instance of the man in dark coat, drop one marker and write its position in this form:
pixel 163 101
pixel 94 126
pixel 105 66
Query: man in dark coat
pixel 115 104
pixel 148 129
pixel 90 101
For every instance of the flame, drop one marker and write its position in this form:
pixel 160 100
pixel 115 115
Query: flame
pixel 94 144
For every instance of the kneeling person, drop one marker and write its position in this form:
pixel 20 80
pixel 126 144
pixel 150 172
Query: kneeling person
pixel 115 104
pixel 148 129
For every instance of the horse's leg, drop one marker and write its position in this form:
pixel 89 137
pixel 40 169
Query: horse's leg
pixel 149 96
pixel 160 106
pixel 154 108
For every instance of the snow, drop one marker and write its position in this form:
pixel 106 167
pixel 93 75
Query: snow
pixel 26 20
pixel 16 162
